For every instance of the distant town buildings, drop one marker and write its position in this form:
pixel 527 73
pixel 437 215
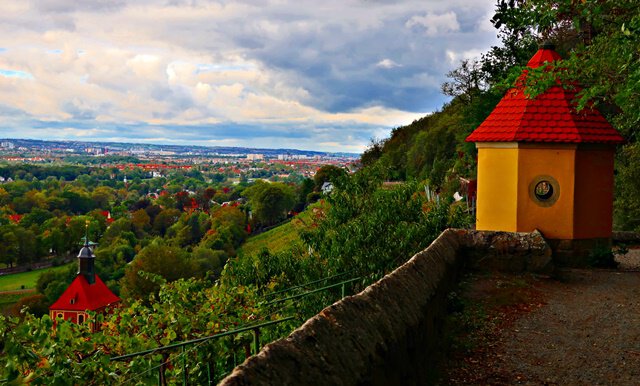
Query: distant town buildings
pixel 293 157
pixel 255 157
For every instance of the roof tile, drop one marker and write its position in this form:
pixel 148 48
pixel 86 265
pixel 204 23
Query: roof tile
pixel 82 296
pixel 550 117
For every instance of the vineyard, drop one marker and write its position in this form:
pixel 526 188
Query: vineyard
pixel 200 328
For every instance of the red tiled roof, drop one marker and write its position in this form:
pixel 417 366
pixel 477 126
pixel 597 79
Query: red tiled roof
pixel 550 117
pixel 85 296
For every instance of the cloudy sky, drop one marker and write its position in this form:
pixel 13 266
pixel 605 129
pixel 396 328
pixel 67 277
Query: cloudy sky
pixel 318 75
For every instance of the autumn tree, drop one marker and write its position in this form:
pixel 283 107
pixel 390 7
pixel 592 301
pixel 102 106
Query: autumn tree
pixel 170 262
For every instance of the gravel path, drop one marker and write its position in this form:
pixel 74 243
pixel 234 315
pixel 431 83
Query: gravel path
pixel 582 330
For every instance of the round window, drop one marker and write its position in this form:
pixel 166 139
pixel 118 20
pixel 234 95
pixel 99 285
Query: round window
pixel 544 190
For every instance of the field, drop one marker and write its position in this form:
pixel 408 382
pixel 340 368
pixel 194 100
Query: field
pixel 278 238
pixel 25 280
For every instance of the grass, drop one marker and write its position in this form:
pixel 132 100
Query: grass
pixel 25 280
pixel 279 238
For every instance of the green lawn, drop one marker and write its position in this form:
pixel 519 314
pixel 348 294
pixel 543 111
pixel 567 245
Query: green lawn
pixel 278 238
pixel 16 281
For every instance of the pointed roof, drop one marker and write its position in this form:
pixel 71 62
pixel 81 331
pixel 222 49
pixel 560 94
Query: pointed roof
pixel 82 296
pixel 550 117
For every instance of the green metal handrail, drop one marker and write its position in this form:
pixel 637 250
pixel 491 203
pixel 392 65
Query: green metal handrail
pixel 198 340
pixel 254 328
pixel 306 284
pixel 341 284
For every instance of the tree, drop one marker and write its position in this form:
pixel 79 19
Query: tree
pixel 270 202
pixel 5 198
pixel 164 220
pixel 227 230
pixel 141 222
pixel 372 153
pixel 171 263
pixel 9 245
pixel 327 173
pixel 466 81
pixel 306 186
pixel 78 202
pixel 102 197
pixel 627 205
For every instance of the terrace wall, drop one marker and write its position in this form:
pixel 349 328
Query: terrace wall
pixel 390 333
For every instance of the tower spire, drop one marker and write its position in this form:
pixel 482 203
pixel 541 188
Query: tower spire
pixel 86 259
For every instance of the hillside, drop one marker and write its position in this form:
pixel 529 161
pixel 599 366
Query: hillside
pixel 279 238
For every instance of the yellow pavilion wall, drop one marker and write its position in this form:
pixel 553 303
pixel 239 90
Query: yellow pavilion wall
pixel 555 221
pixel 584 176
pixel 497 187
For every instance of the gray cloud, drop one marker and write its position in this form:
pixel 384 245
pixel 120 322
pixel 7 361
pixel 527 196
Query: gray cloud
pixel 271 69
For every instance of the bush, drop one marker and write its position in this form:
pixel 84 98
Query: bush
pixel 36 305
pixel 601 256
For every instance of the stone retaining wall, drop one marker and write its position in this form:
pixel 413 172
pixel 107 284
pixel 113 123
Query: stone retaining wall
pixel 390 333
pixel 626 237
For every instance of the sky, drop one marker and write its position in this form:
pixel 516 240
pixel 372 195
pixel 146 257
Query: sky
pixel 324 75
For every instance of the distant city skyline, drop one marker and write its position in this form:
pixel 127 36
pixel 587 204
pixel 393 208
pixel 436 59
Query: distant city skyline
pixel 325 76
pixel 102 148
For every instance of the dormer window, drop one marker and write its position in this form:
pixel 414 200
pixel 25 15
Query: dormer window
pixel 73 300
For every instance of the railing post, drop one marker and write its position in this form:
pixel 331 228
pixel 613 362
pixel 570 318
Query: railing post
pixel 162 376
pixel 210 374
pixel 184 367
pixel 343 284
pixel 256 340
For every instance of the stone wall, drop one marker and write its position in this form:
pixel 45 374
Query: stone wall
pixel 625 237
pixel 390 333
pixel 506 251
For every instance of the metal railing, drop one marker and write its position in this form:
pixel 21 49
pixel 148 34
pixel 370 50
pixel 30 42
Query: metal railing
pixel 305 285
pixel 255 329
pixel 342 285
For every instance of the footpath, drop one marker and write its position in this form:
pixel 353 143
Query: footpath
pixel 583 329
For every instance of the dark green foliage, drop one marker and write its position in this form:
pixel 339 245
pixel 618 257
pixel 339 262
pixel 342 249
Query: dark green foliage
pixel 369 229
pixel 372 153
pixel 627 202
pixel 36 305
pixel 270 202
pixel 601 256
pixel 274 270
pixel 304 189
pixel 170 263
pixel 327 173
pixel 53 283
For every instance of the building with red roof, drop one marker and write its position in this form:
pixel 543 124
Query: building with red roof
pixel 87 292
pixel 544 165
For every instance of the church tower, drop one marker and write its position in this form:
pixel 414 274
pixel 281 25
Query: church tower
pixel 87 292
